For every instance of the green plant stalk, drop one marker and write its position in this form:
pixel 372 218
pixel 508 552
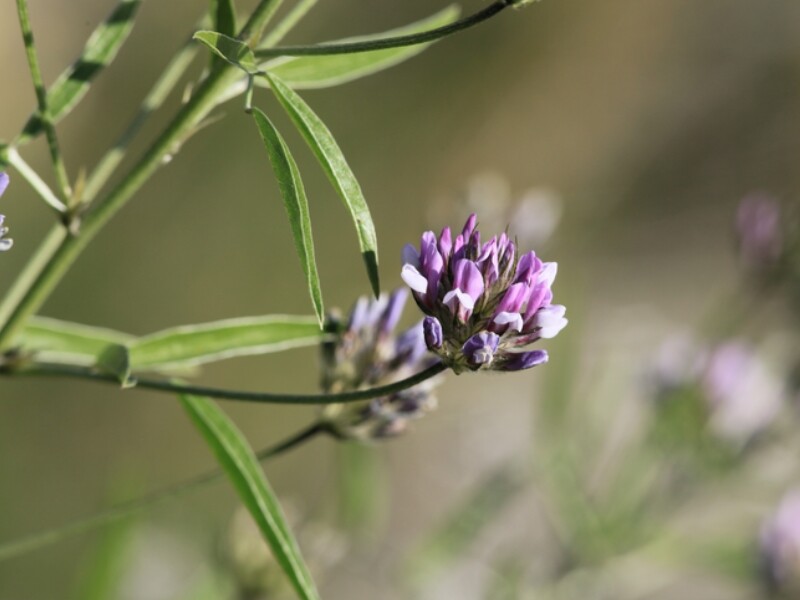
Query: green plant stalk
pixel 44 280
pixel 151 103
pixel 288 22
pixel 15 548
pixel 392 42
pixel 41 98
pixel 33 179
pixel 172 387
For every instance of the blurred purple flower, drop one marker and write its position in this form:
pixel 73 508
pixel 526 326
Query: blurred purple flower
pixel 367 354
pixel 5 243
pixel 779 545
pixel 744 396
pixel 759 230
pixel 483 302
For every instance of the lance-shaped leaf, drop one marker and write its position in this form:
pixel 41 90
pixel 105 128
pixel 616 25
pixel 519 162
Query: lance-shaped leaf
pixel 311 72
pixel 232 50
pixel 223 13
pixel 329 155
pixel 192 345
pixel 295 202
pixel 240 464
pixel 59 341
pixel 72 84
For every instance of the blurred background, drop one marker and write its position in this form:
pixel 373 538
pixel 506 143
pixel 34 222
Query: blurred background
pixel 618 138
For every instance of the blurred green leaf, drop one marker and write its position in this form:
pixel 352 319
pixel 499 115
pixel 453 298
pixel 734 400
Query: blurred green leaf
pixel 72 84
pixel 232 50
pixel 223 13
pixel 329 155
pixel 191 345
pixel 237 459
pixel 102 573
pixel 59 341
pixel 296 204
pixel 311 72
pixel 464 523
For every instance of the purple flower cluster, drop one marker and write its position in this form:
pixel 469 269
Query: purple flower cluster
pixel 5 243
pixel 366 353
pixel 482 301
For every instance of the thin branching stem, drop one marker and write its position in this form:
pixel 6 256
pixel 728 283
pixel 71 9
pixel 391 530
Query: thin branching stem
pixel 54 266
pixel 29 543
pixel 172 387
pixel 41 98
pixel 390 42
pixel 33 179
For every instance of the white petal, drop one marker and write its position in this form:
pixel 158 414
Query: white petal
pixel 465 300
pixel 414 279
pixel 512 319
pixel 551 330
pixel 549 315
pixel 548 274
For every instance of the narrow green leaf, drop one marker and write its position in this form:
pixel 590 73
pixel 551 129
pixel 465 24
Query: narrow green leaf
pixel 66 342
pixel 295 202
pixel 240 464
pixel 192 345
pixel 232 50
pixel 223 12
pixel 72 84
pixel 312 72
pixel 330 156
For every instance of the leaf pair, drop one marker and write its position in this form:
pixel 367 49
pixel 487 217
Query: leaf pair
pixel 317 72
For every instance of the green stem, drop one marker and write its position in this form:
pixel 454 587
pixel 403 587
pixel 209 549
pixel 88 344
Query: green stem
pixel 181 127
pixel 41 98
pixel 151 103
pixel 33 179
pixel 171 387
pixel 391 42
pixel 287 23
pixel 16 548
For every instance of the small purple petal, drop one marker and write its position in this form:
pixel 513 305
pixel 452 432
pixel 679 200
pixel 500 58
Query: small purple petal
pixel 3 182
pixel 480 348
pixel 469 226
pixel 410 256
pixel 468 279
pixel 358 314
pixel 513 299
pixel 432 329
pixel 519 361
pixel 414 279
pixel 410 345
pixel 391 314
pixel 445 243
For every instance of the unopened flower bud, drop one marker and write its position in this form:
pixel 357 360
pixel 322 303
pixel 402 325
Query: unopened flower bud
pixel 433 333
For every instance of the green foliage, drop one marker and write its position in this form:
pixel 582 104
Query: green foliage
pixel 237 459
pixel 235 52
pixel 72 84
pixel 53 340
pixel 329 155
pixel 312 72
pixel 296 204
pixel 224 16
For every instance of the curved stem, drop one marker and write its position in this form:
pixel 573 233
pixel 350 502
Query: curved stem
pixel 56 370
pixel 13 549
pixel 33 179
pixel 391 42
